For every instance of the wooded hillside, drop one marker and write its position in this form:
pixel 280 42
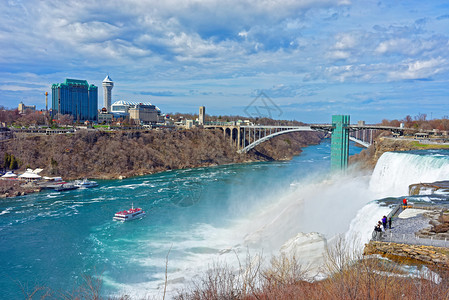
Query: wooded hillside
pixel 101 154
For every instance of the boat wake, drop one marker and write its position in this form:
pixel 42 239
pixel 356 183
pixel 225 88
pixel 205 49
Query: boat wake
pixel 6 211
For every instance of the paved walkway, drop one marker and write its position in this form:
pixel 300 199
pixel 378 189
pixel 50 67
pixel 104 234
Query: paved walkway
pixel 403 231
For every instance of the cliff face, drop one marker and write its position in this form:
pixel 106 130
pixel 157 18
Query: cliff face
pixel 367 159
pixel 99 154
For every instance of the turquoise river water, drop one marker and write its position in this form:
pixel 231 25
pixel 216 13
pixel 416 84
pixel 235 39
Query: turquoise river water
pixel 195 216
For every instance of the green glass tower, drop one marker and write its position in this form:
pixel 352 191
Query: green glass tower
pixel 77 98
pixel 340 142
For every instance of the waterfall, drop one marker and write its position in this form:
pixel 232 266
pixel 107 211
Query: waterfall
pixel 394 172
pixel 346 203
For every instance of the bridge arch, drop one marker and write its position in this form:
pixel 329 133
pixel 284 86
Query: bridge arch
pixel 340 128
pixel 270 136
pixel 235 135
pixel 266 138
pixel 360 142
pixel 227 131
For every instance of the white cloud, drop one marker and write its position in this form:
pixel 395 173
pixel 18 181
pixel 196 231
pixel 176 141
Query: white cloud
pixel 181 41
pixel 345 41
pixel 420 69
pixel 86 32
pixel 15 88
pixel 243 34
pixel 339 54
pixel 394 45
pixel 413 47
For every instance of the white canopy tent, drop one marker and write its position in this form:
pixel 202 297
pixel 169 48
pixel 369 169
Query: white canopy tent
pixel 9 174
pixel 29 175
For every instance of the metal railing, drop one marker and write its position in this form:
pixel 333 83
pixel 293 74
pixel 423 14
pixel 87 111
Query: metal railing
pixel 412 239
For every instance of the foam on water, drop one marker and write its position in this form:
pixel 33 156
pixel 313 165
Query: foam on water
pixel 287 223
pixel 6 211
pixel 362 225
pixel 325 207
pixel 288 218
pixel 203 217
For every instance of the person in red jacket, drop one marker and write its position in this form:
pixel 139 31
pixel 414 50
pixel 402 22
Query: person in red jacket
pixel 404 202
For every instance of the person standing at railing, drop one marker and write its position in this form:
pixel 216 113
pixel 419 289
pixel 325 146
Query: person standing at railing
pixel 384 222
pixel 404 203
pixel 377 234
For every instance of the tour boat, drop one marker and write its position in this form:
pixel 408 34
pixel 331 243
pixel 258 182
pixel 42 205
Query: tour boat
pixel 66 187
pixel 82 184
pixel 128 215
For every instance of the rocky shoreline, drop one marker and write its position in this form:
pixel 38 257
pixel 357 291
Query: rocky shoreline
pixel 415 254
pixel 419 237
pixel 14 188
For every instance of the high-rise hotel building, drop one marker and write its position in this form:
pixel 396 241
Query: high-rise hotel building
pixel 77 98
pixel 108 84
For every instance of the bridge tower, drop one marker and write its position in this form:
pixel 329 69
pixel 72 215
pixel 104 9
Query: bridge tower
pixel 340 142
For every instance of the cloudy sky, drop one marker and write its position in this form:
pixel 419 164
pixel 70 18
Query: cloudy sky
pixel 305 59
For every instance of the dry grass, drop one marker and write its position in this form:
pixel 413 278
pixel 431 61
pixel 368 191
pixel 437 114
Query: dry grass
pixel 349 276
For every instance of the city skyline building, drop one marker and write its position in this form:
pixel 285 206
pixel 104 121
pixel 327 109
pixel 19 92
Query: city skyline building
pixel 142 112
pixel 108 84
pixel 202 115
pixel 23 108
pixel 77 98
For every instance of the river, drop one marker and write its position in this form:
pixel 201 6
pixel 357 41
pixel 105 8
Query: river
pixel 196 217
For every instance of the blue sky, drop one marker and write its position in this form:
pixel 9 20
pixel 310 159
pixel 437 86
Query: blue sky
pixel 372 60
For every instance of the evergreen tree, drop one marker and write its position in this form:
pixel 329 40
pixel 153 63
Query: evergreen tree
pixel 14 163
pixel 7 162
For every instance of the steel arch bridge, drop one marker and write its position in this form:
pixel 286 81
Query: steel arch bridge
pixel 247 148
pixel 246 137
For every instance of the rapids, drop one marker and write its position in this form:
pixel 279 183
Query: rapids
pixel 198 217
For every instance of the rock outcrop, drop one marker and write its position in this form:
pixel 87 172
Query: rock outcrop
pixel 437 256
pixel 428 188
pixel 14 188
pixel 439 221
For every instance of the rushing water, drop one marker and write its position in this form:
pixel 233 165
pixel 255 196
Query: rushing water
pixel 195 216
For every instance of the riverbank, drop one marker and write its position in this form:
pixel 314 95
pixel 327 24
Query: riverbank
pixel 14 188
pixel 118 155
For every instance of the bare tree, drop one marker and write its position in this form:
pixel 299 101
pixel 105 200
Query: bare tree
pixel 65 119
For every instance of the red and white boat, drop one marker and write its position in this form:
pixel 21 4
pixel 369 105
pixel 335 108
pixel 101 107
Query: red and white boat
pixel 130 214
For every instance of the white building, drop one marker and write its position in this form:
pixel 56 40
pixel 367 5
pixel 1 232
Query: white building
pixel 23 108
pixel 141 112
pixel 108 84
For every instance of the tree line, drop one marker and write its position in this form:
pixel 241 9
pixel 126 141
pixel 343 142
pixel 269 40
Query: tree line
pixel 419 121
